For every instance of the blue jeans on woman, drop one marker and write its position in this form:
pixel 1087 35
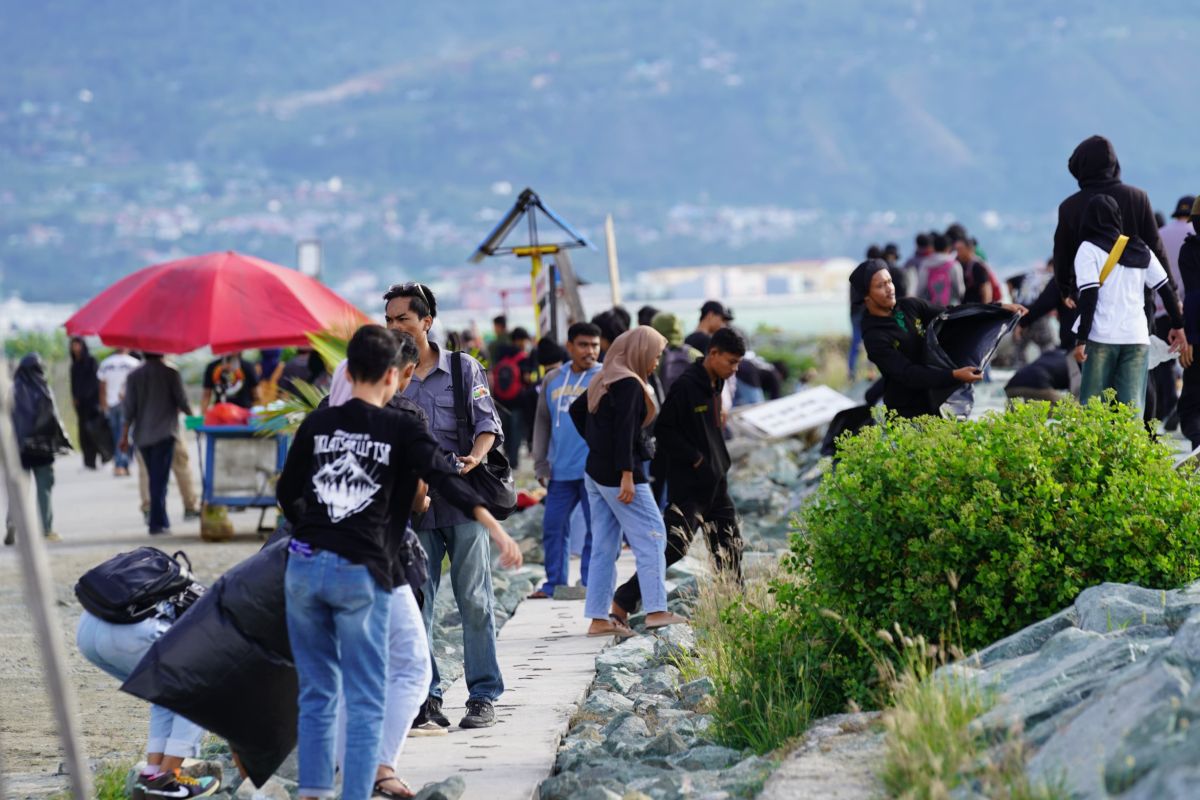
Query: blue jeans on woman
pixel 116 423
pixel 1123 367
pixel 158 457
pixel 337 618
pixel 117 649
pixel 641 523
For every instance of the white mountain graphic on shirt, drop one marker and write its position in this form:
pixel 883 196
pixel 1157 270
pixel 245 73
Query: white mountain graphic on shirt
pixel 344 487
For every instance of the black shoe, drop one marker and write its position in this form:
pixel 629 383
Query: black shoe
pixel 430 717
pixel 176 785
pixel 189 514
pixel 480 714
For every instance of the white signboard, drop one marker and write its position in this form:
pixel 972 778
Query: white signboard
pixel 803 411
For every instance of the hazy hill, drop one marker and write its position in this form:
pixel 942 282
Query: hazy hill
pixel 713 130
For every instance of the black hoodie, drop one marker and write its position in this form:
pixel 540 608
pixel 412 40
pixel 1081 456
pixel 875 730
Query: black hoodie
pixel 689 430
pixel 1094 165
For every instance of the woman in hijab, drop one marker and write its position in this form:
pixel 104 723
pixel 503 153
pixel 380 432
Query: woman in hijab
pixel 613 417
pixel 894 335
pixel 85 393
pixel 40 436
pixel 1113 334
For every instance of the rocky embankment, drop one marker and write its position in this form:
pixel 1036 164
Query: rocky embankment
pixel 1105 693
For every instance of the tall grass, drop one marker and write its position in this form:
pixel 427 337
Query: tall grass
pixel 766 675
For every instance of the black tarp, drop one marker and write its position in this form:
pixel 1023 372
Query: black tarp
pixel 965 336
pixel 226 664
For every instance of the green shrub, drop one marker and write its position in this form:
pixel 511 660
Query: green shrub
pixel 997 523
pixel 767 667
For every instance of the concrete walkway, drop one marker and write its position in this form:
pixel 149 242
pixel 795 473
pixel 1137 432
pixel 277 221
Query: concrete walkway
pixel 548 664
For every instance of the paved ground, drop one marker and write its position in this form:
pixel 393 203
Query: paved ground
pixel 548 664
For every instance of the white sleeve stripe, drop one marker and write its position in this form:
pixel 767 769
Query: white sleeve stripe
pixel 1088 285
pixel 1159 285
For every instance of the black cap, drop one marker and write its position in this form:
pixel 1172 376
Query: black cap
pixel 714 307
pixel 1183 209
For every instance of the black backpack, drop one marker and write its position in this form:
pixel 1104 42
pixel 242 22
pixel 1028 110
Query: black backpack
pixel 129 586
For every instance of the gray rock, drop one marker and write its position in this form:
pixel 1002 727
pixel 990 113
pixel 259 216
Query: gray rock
pixel 450 789
pixel 687 567
pixel 660 680
pixel 607 704
pixel 693 693
pixel 746 779
pixel 275 788
pixel 631 655
pixel 563 786
pixel 626 732
pixel 616 679
pixel 706 757
pixel 674 643
pixel 663 745
pixel 686 588
pixel 570 592
pixel 1112 607
pixel 598 793
pixel 1026 641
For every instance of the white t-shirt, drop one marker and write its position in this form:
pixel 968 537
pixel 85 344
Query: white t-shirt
pixel 113 371
pixel 1121 305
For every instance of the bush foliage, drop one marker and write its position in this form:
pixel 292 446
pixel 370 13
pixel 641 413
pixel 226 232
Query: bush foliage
pixel 975 530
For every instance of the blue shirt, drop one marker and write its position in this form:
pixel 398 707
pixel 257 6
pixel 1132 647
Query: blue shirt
pixel 435 395
pixel 567 451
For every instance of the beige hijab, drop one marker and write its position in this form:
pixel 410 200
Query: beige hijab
pixel 632 355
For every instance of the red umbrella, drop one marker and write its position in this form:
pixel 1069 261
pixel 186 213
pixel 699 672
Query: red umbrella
pixel 227 301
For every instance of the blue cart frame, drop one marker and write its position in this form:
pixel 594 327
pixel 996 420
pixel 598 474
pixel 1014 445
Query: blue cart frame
pixel 264 499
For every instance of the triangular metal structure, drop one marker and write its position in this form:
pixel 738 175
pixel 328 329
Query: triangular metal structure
pixel 527 206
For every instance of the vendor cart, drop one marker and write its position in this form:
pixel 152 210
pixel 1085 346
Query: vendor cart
pixel 239 465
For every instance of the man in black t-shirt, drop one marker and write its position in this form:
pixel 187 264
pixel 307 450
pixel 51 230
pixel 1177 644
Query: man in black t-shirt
pixel 351 469
pixel 229 379
pixel 976 275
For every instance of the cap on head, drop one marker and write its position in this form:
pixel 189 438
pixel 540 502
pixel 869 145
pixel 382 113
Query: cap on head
pixel 714 307
pixel 1185 207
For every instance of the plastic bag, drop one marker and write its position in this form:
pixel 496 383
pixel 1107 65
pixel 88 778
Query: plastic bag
pixel 226 664
pixel 965 336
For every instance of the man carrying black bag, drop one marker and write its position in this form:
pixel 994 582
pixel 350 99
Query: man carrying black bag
pixel 129 602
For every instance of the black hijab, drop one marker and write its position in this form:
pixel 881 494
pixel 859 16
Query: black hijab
pixel 85 383
pixel 1102 225
pixel 31 395
pixel 1094 163
pixel 860 279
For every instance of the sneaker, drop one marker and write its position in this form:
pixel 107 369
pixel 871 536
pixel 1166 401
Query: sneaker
pixel 480 714
pixel 10 537
pixel 191 514
pixel 51 536
pixel 177 786
pixel 430 720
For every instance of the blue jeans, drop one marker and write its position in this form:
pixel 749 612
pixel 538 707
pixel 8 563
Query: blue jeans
pixel 117 649
pixel 158 458
pixel 1123 367
pixel 337 619
pixel 561 499
pixel 642 526
pixel 116 420
pixel 470 551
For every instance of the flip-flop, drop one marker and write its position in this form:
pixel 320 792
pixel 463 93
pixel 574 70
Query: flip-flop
pixel 616 628
pixel 538 595
pixel 390 795
pixel 675 620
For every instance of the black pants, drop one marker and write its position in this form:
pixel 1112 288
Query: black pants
pixel 158 468
pixel 86 444
pixel 714 514
pixel 1189 405
pixel 1162 377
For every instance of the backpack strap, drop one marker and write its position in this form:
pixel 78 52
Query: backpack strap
pixel 465 439
pixel 1113 258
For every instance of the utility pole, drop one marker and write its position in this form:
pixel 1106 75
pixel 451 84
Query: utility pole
pixel 39 596
pixel 614 273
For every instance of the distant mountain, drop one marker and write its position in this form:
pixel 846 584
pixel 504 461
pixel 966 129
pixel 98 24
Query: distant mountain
pixel 714 131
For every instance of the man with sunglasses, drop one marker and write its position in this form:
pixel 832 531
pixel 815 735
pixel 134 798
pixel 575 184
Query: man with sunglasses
pixel 444 530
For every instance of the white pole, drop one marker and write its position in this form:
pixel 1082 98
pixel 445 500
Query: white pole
pixel 614 274
pixel 39 596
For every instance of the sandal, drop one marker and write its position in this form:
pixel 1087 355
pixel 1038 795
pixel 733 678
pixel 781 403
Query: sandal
pixel 538 595
pixel 615 628
pixel 673 619
pixel 388 794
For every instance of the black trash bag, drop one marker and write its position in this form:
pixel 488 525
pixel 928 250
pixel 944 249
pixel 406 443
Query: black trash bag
pixel 102 437
pixel 226 664
pixel 965 336
pixel 852 420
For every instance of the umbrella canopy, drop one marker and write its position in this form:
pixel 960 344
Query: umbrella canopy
pixel 227 301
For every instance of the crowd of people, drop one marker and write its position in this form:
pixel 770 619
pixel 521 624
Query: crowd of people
pixel 1117 282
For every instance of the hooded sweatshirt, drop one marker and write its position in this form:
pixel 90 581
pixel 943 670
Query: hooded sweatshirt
pixel 1094 165
pixel 1189 271
pixel 689 433
pixel 40 434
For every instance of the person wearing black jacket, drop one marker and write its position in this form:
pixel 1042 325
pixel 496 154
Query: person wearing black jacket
pixel 689 435
pixel 351 469
pixel 1189 271
pixel 894 335
pixel 40 437
pixel 85 395
pixel 613 416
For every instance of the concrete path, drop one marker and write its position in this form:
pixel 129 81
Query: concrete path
pixel 548 664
